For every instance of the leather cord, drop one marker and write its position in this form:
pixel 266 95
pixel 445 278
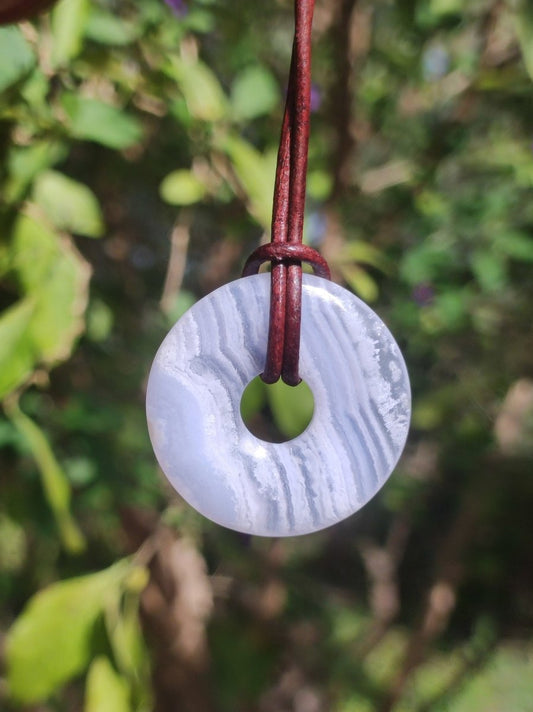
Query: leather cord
pixel 286 252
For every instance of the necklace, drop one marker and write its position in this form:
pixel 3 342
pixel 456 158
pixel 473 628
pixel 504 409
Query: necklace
pixel 284 325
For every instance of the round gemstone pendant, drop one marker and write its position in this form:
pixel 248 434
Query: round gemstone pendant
pixel 361 417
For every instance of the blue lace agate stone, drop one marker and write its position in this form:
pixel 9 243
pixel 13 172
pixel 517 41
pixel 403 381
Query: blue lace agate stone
pixel 362 397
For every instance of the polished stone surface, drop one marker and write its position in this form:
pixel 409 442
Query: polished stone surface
pixel 360 422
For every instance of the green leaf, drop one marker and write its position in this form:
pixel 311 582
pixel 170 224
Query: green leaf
pixel 124 629
pixel 523 21
pixel 319 184
pixel 55 483
pixel 13 545
pixel 359 251
pixel 517 245
pixel 451 309
pixel 16 57
pixel 93 120
pixel 17 353
pixel 198 20
pixel 431 203
pixel 256 173
pixel 503 684
pixel 68 23
pixel 25 163
pixel 427 261
pixel 432 12
pixel 254 93
pixel 445 7
pixel 202 91
pixel 489 270
pixel 108 29
pixel 177 306
pixel 106 690
pixel 50 642
pixel 292 407
pixel 80 471
pixel 42 327
pixel 35 92
pixel 54 273
pixel 253 398
pixel 360 282
pixel 5 259
pixel 70 205
pixel 182 187
pixel 100 319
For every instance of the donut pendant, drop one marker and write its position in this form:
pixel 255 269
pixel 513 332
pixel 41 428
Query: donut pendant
pixel 361 390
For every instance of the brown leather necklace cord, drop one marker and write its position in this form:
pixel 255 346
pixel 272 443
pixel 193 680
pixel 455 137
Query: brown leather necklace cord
pixel 286 251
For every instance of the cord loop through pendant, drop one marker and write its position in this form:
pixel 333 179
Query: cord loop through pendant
pixel 286 251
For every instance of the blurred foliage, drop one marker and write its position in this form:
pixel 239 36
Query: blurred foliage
pixel 153 127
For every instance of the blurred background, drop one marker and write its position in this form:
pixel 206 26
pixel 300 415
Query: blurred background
pixel 137 152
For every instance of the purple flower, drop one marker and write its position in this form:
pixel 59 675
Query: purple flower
pixel 178 7
pixel 316 97
pixel 423 294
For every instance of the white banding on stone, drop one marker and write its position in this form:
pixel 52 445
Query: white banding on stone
pixel 362 397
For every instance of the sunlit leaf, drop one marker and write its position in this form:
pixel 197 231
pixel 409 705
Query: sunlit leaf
pixel 489 269
pixel 319 184
pixel 100 321
pixel 518 245
pixel 55 275
pixel 108 29
pixel 359 251
pixel 431 203
pixel 428 414
pixel 106 690
pixel 125 634
pixel 25 163
pixel 182 187
pixel 256 172
pixel 13 544
pixel 55 482
pixel 16 56
pixel 445 7
pixel 254 93
pixel 70 205
pixel 179 305
pixel 42 327
pixel 68 22
pixel 384 661
pixel 80 471
pixel 17 353
pixel 393 173
pixel 50 642
pixel 202 91
pixel 360 282
pixel 524 29
pixel 34 91
pixel 198 19
pixel 503 684
pixel 433 11
pixel 93 120
pixel 292 407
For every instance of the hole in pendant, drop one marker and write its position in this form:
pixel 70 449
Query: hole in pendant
pixel 276 413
